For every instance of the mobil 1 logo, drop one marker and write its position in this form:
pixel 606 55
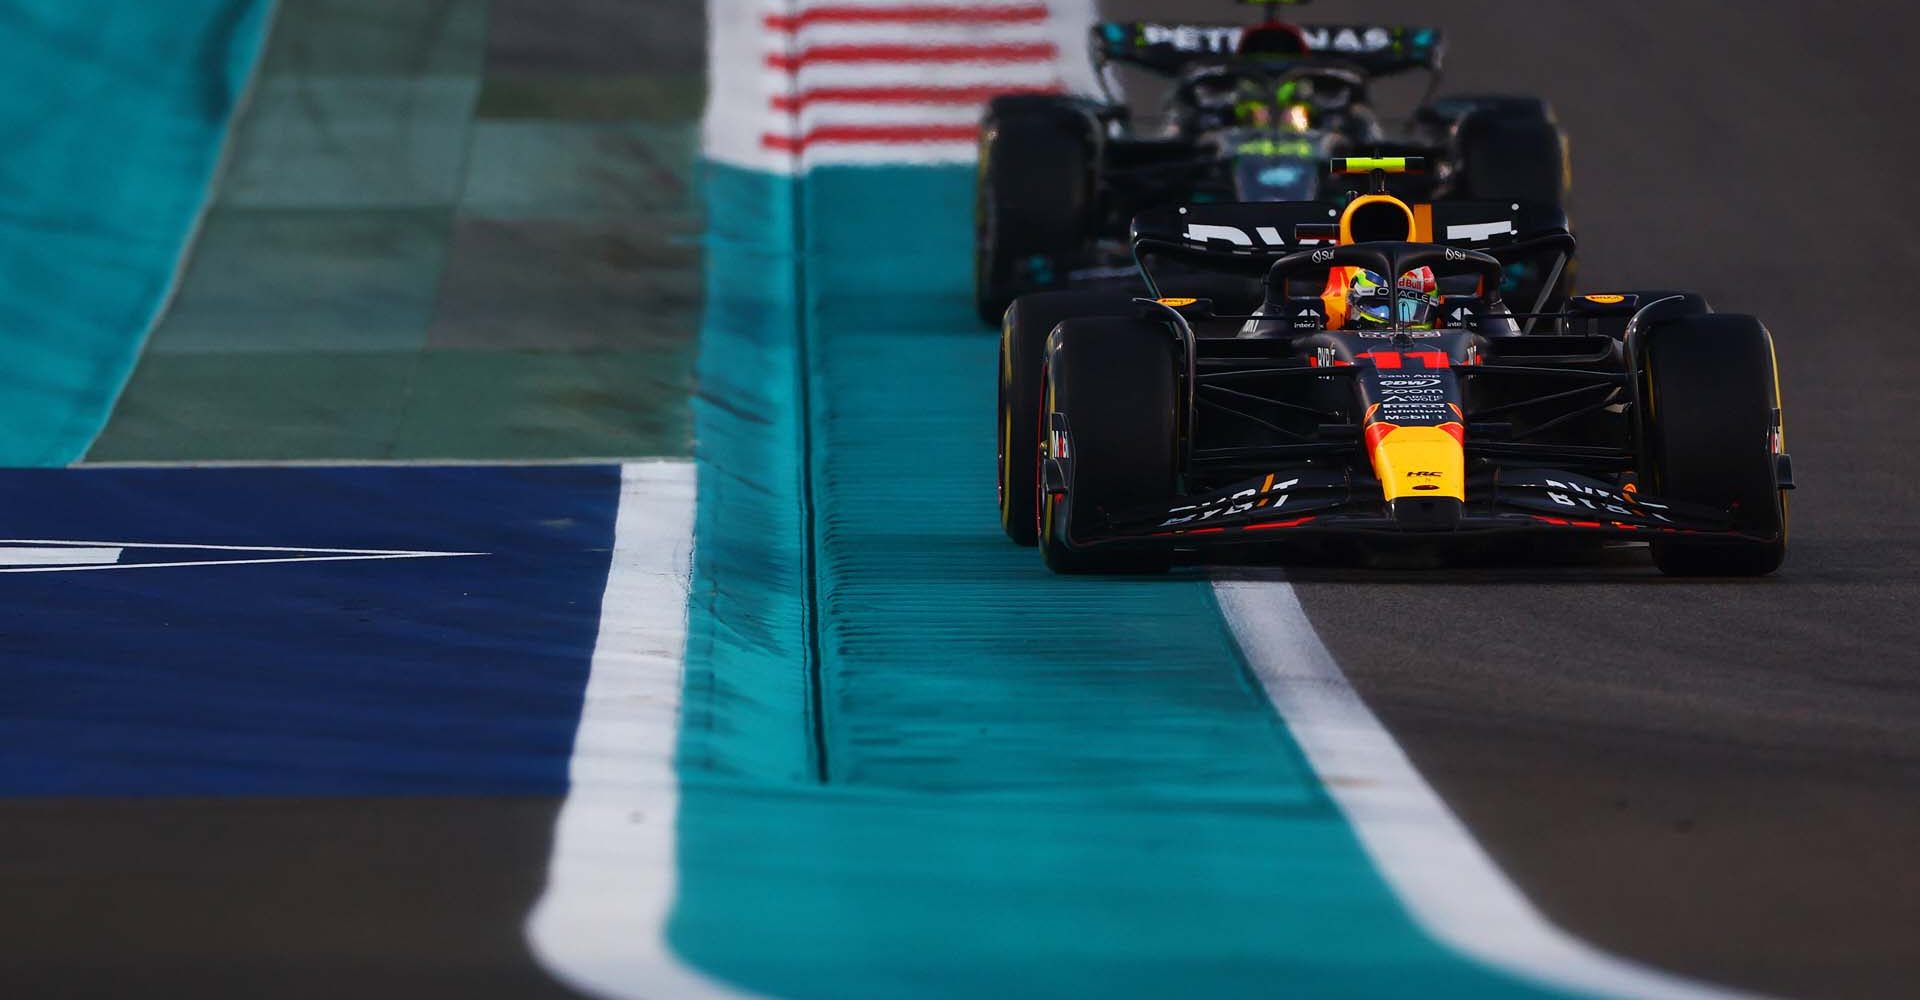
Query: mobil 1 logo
pixel 1411 396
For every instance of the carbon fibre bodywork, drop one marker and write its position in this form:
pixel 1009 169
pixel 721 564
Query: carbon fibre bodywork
pixel 1197 149
pixel 1473 427
pixel 1304 435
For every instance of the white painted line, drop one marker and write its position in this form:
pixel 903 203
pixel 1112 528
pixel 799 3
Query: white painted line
pixel 794 7
pixel 238 562
pixel 42 555
pixel 827 115
pixel 59 556
pixel 238 548
pixel 1443 877
pixel 913 33
pixel 375 463
pixel 740 87
pixel 1069 23
pixel 908 154
pixel 1036 73
pixel 599 926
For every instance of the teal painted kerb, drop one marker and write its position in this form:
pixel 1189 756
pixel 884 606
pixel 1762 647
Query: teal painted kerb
pixel 114 115
pixel 744 715
pixel 1033 785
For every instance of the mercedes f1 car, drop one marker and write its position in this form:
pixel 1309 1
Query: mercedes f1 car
pixel 1250 114
pixel 1134 431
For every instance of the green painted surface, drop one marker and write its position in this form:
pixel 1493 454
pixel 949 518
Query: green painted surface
pixel 464 404
pixel 288 279
pixel 451 229
pixel 1015 784
pixel 114 116
pixel 625 98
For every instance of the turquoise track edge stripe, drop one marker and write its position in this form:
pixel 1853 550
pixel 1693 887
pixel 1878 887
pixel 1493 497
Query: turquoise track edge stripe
pixel 109 179
pixel 746 711
pixel 873 885
pixel 263 19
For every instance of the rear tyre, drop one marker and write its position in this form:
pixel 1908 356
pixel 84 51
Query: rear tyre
pixel 1023 350
pixel 1116 384
pixel 1712 429
pixel 1510 149
pixel 1033 201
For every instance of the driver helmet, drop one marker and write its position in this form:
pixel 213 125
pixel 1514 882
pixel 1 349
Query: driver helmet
pixel 1285 106
pixel 1370 301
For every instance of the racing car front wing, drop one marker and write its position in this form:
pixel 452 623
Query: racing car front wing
pixel 1325 502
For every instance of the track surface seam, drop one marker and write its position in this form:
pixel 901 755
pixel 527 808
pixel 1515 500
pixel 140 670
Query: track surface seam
pixel 810 541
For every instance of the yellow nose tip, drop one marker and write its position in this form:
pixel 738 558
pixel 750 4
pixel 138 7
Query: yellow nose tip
pixel 1420 462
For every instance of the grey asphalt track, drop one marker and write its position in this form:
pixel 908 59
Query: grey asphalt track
pixel 1720 778
pixel 272 897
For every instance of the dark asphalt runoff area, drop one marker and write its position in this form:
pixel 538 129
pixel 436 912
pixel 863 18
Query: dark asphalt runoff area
pixel 1721 778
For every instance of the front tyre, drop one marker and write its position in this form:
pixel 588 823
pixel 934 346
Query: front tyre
pixel 1713 436
pixel 1115 384
pixel 1023 349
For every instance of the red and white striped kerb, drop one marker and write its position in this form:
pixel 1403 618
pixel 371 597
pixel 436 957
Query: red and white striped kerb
pixel 885 81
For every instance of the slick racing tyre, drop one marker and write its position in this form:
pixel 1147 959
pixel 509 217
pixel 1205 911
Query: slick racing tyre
pixel 1510 149
pixel 1114 382
pixel 1712 431
pixel 1023 350
pixel 1033 201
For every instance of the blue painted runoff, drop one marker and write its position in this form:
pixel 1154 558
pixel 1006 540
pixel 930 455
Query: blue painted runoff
pixel 395 677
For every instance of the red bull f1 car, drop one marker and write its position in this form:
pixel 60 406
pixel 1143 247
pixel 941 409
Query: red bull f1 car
pixel 1137 431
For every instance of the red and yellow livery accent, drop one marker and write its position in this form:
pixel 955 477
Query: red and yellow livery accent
pixel 1419 462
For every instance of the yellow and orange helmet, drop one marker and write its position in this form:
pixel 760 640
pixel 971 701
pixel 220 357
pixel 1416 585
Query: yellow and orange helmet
pixel 1357 297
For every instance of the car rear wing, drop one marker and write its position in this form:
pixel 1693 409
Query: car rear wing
pixel 1246 238
pixel 1260 232
pixel 1167 47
